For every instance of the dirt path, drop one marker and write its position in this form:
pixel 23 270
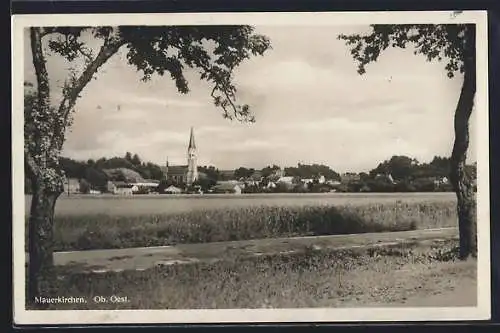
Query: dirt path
pixel 144 258
pixel 463 294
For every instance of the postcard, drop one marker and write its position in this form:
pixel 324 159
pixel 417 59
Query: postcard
pixel 250 167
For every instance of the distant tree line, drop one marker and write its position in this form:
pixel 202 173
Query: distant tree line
pixel 312 171
pixel 397 174
pixel 91 174
pixel 407 175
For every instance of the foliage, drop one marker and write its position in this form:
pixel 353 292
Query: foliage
pixel 269 170
pixel 84 186
pixel 72 168
pixel 441 42
pixel 96 178
pixel 312 171
pixel 205 183
pixel 243 172
pixel 409 174
pixel 400 167
pixel 136 160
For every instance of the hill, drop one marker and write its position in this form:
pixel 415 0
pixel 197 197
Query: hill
pixel 123 174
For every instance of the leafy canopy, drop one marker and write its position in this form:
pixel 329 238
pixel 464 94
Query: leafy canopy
pixel 214 51
pixel 441 42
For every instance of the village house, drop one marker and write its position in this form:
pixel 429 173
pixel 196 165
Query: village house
pixel 441 181
pixel 228 187
pixel 125 190
pixel 172 190
pixel 251 182
pixel 307 180
pixel 333 182
pixel 270 185
pixel 349 177
pixel 277 174
pixel 286 180
pixel 71 186
pixel 148 185
pixel 319 179
pixel 254 180
pixel 121 188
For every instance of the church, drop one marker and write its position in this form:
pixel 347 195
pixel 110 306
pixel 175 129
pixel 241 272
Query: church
pixel 184 174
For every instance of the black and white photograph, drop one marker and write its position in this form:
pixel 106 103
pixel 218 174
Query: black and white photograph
pixel 250 167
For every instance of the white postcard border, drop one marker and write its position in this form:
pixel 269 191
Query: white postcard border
pixel 481 311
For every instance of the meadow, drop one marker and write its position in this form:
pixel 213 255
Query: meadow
pixel 112 222
pixel 411 274
pixel 166 204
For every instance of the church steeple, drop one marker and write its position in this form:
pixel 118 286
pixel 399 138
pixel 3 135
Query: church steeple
pixel 192 170
pixel 192 144
pixel 165 170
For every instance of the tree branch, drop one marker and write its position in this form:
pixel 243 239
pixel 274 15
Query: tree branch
pixel 217 86
pixel 108 49
pixel 46 31
pixel 228 98
pixel 87 55
pixel 42 76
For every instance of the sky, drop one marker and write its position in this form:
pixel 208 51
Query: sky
pixel 310 104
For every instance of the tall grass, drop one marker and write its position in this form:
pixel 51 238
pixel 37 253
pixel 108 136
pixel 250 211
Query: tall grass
pixel 99 231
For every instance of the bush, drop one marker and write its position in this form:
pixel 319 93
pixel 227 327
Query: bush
pixel 84 186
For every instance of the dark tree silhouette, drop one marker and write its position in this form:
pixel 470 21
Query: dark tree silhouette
pixel 455 45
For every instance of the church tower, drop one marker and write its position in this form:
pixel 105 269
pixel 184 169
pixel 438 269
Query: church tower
pixel 192 170
pixel 165 170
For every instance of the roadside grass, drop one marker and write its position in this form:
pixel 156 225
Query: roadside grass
pixel 99 231
pixel 314 278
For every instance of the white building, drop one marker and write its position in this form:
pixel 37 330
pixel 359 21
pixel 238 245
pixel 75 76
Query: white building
pixel 227 187
pixel 121 188
pixel 286 179
pixel 173 190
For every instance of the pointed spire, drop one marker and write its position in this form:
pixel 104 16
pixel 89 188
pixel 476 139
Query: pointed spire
pixel 192 144
pixel 167 162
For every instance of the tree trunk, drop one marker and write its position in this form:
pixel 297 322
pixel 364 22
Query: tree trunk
pixel 466 203
pixel 40 240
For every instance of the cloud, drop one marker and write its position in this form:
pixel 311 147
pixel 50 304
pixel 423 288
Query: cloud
pixel 250 145
pixel 332 124
pixel 310 104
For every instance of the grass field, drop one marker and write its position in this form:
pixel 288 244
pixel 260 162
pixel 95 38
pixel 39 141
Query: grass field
pixel 102 231
pixel 412 275
pixel 167 204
